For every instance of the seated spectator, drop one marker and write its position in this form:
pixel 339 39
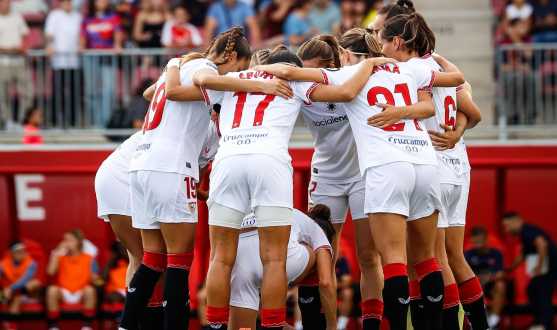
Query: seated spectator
pixel 33 119
pixel 114 274
pixel 17 270
pixel 74 271
pixel 540 254
pixel 225 14
pixel 544 21
pixel 487 262
pixel 325 17
pixel 147 28
pixel 271 17
pixel 137 110
pixel 517 30
pixel 371 11
pixel 178 32
pixel 345 292
pixel 13 67
pixel 297 28
pixel 519 10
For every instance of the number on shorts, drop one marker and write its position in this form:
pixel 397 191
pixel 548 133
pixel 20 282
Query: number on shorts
pixel 400 88
pixel 156 108
pixel 259 111
pixel 449 120
pixel 191 189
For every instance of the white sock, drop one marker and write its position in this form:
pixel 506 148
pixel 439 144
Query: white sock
pixel 342 322
pixel 298 325
pixel 493 320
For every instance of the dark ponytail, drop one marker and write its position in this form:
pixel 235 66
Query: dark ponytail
pixel 323 46
pixel 361 43
pixel 281 53
pixel 413 29
pixel 321 214
pixel 401 7
pixel 223 45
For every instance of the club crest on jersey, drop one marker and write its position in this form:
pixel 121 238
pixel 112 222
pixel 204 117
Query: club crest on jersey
pixel 331 107
pixel 192 206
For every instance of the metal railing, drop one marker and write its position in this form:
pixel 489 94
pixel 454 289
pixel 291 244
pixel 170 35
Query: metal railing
pixel 526 86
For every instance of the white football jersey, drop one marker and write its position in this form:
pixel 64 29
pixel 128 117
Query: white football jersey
pixel 335 159
pixel 444 99
pixel 303 230
pixel 174 131
pixel 210 146
pixel 119 160
pixel 406 140
pixel 254 123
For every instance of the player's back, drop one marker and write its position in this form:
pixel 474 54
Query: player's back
pixel 255 123
pixel 174 131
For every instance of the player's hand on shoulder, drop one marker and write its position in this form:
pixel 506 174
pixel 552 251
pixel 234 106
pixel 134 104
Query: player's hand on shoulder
pixel 278 87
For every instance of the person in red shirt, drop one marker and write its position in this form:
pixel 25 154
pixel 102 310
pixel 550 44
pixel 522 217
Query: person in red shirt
pixel 17 271
pixel 74 272
pixel 33 119
pixel 178 32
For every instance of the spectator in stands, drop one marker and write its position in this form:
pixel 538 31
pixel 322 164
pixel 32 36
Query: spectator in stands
pixel 272 16
pixel 517 29
pixel 345 291
pixel 17 270
pixel 114 274
pixel 178 32
pixel 325 17
pixel 13 67
pixel 347 15
pixel 61 44
pixel 198 11
pixel 32 132
pixel 74 271
pixel 544 21
pixel 137 110
pixel 100 30
pixel 147 28
pixel 540 254
pixel 517 10
pixel 297 28
pixel 371 11
pixel 225 14
pixel 486 262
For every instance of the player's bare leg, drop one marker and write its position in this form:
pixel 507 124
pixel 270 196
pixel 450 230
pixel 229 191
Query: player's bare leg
pixel 53 298
pixel 242 318
pixel 130 238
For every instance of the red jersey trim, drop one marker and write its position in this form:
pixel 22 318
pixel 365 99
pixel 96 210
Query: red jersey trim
pixel 325 77
pixel 205 96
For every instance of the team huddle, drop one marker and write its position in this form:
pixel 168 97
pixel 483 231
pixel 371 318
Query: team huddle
pixel 387 116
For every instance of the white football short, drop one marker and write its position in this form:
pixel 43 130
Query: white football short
pixel 264 179
pixel 450 195
pixel 162 197
pixel 403 188
pixel 71 297
pixel 247 274
pixel 113 194
pixel 338 197
pixel 459 217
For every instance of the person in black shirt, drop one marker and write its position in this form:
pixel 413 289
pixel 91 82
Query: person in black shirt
pixel 486 261
pixel 540 254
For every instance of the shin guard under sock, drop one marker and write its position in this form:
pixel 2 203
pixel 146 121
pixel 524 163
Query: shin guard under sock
pixel 372 314
pixel 450 308
pixel 273 319
pixel 432 291
pixel 217 317
pixel 396 295
pixel 153 318
pixel 141 288
pixel 472 299
pixel 88 316
pixel 309 302
pixel 176 291
pixel 417 313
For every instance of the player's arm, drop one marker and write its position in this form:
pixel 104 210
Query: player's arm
pixel 422 109
pixel 327 289
pixel 289 72
pixel 451 77
pixel 202 195
pixel 542 247
pixel 149 92
pixel 173 90
pixel 211 80
pixel 467 106
pixel 352 87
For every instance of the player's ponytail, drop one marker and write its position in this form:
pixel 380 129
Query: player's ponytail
pixel 281 53
pixel 321 214
pixel 324 47
pixel 222 46
pixel 259 57
pixel 401 7
pixel 360 43
pixel 413 30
